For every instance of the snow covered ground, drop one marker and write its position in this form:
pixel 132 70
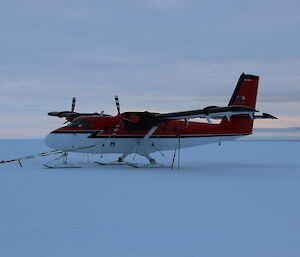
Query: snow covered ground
pixel 237 199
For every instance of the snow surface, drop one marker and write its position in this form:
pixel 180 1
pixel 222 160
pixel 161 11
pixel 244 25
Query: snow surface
pixel 237 199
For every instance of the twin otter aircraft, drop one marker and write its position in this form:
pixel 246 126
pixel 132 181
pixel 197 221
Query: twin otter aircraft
pixel 144 133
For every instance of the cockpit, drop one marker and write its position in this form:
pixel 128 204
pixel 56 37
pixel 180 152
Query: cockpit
pixel 80 123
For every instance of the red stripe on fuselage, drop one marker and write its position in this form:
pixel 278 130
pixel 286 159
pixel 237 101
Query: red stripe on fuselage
pixel 168 128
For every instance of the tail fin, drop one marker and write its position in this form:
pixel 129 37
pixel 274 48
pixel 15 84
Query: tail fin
pixel 245 91
pixel 244 94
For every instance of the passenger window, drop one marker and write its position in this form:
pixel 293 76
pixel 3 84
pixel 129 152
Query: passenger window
pixel 88 125
pixel 174 129
pixel 105 128
pixel 165 129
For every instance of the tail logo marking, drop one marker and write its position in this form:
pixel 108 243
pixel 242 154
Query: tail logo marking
pixel 240 99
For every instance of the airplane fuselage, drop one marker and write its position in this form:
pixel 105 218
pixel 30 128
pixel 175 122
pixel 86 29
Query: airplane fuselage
pixel 124 133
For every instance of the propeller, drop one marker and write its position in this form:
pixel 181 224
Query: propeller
pixel 65 114
pixel 117 103
pixel 73 104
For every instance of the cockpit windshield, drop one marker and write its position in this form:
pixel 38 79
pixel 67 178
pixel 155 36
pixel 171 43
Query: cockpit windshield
pixel 76 123
pixel 80 123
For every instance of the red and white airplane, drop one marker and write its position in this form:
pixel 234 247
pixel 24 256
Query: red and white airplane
pixel 146 132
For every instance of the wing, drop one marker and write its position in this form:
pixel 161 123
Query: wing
pixel 210 112
pixel 72 115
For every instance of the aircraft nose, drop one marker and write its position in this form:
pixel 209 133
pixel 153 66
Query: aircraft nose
pixel 56 141
pixel 59 141
pixel 50 140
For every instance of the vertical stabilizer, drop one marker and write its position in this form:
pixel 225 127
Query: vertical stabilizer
pixel 245 91
pixel 245 95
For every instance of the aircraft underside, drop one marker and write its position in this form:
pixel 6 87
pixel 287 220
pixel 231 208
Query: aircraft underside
pixel 130 144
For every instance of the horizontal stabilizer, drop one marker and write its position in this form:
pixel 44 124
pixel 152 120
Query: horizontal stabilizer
pixel 265 116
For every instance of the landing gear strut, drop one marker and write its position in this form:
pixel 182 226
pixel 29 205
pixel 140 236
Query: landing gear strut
pixel 150 159
pixel 121 161
pixel 121 158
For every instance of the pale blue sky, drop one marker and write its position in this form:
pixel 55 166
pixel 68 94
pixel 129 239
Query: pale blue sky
pixel 160 55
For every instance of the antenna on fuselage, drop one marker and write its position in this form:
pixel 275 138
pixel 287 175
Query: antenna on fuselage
pixel 117 103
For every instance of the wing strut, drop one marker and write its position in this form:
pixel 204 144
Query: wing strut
pixel 144 139
pixel 148 135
